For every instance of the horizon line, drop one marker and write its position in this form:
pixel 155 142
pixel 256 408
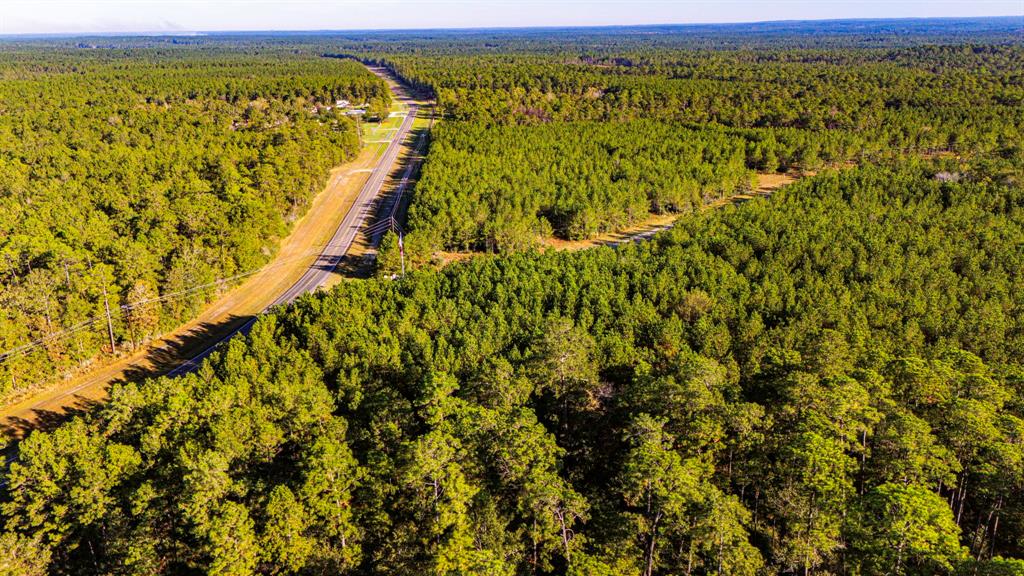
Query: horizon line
pixel 213 32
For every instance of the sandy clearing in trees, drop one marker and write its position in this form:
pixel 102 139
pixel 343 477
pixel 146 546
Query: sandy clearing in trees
pixel 654 223
pixel 766 184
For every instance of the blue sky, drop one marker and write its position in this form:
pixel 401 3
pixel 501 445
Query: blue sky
pixel 88 16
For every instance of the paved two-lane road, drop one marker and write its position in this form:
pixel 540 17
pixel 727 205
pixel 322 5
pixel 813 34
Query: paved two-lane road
pixel 333 253
pixel 349 227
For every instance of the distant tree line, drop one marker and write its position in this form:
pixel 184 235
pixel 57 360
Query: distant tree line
pixel 578 142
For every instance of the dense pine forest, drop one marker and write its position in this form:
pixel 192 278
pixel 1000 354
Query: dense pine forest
pixel 826 381
pixel 572 180
pixel 141 179
pixel 574 144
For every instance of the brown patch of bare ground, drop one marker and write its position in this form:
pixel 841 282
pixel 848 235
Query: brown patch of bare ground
pixel 654 223
pixel 766 184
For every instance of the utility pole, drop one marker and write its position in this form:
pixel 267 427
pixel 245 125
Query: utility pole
pixel 401 251
pixel 67 274
pixel 110 325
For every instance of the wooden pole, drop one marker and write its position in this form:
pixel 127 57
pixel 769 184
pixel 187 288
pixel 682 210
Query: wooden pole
pixel 110 325
pixel 401 251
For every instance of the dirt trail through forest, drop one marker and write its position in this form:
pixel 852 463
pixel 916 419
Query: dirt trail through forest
pixel 766 184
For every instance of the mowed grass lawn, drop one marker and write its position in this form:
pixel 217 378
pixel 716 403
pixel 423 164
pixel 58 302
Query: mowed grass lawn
pixel 378 131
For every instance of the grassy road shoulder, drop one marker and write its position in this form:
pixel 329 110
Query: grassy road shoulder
pixel 296 253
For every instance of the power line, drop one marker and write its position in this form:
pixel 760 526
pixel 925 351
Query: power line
pixel 28 347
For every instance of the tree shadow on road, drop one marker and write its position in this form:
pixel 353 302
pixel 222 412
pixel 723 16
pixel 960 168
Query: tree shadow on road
pixel 175 355
pixel 155 360
pixel 48 420
pixel 389 208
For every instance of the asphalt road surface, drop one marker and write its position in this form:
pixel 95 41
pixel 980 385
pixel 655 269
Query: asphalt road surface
pixel 335 250
pixel 349 227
